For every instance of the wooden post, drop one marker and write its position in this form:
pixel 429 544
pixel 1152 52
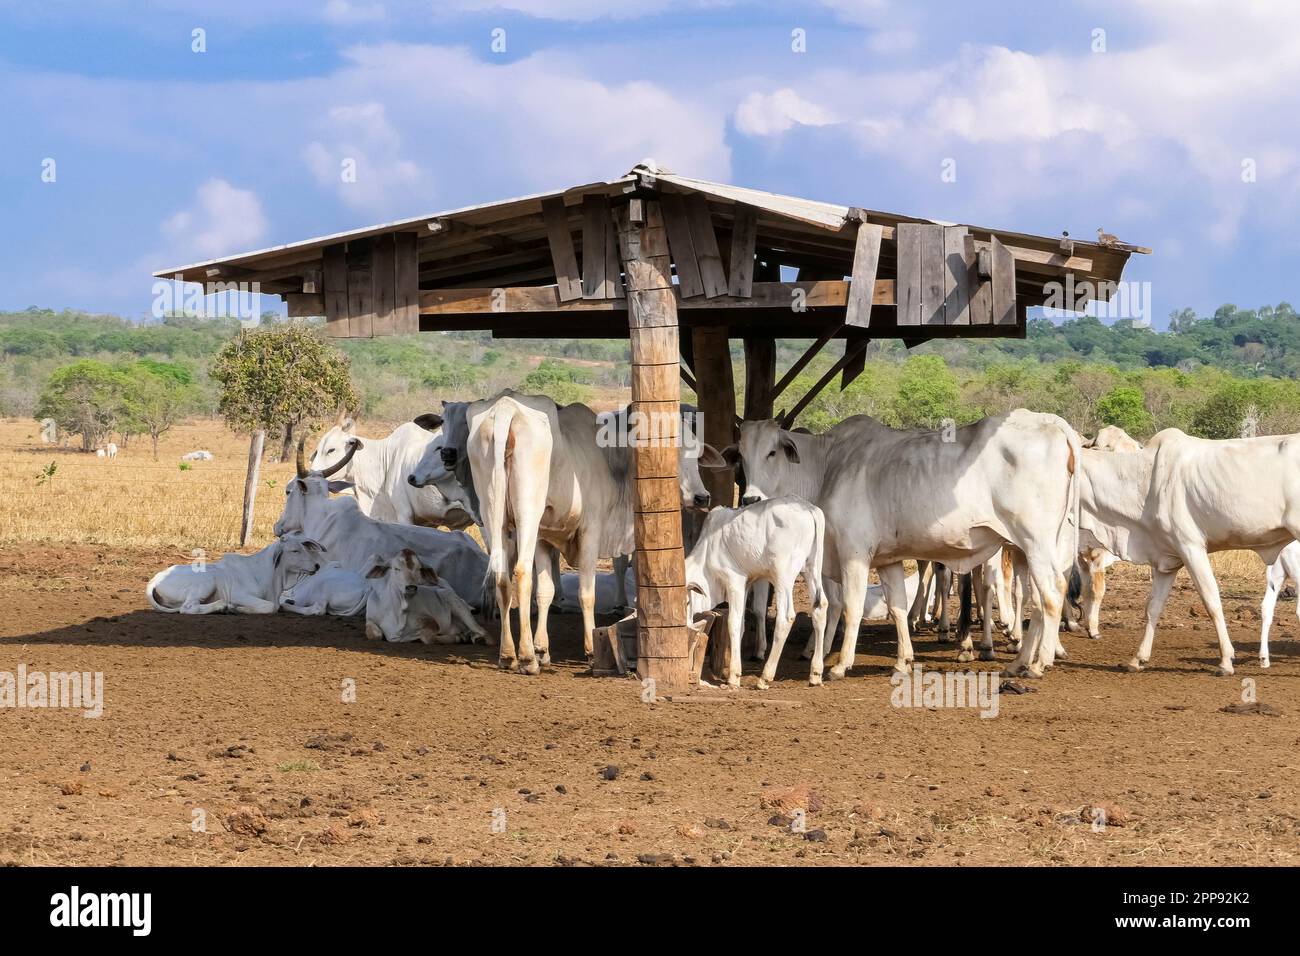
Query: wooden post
pixel 250 486
pixel 716 390
pixel 760 377
pixel 663 640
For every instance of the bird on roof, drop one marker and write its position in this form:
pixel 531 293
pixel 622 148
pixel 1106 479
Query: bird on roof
pixel 1107 240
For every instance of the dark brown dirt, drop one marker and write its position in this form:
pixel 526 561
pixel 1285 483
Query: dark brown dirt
pixel 242 718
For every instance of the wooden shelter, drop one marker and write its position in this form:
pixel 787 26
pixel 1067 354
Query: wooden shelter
pixel 679 266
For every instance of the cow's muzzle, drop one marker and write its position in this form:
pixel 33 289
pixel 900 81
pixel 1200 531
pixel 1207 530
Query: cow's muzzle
pixel 750 499
pixel 702 501
pixel 448 456
pixel 410 479
pixel 410 590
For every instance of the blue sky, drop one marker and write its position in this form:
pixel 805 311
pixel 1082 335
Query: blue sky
pixel 163 155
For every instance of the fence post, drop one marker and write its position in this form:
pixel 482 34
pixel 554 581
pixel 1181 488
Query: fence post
pixel 250 486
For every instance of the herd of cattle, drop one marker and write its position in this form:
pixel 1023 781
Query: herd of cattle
pixel 1019 508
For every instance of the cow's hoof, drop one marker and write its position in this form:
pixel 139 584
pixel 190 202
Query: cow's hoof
pixel 835 673
pixel 1134 666
pixel 1013 647
pixel 943 635
pixel 544 658
pixel 1094 637
pixel 1223 670
pixel 964 656
pixel 530 667
pixel 762 683
pixel 1011 670
pixel 1263 662
pixel 506 663
pixel 987 654
pixel 814 680
pixel 1034 671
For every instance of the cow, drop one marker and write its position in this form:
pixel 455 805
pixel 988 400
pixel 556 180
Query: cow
pixel 954 497
pixel 199 455
pixel 351 537
pixel 332 589
pixel 772 541
pixel 1178 500
pixel 581 500
pixel 407 602
pixel 244 583
pixel 610 597
pixel 1285 568
pixel 379 472
pixel 106 451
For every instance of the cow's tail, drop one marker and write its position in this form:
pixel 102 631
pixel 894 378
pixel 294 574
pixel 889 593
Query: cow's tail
pixel 495 514
pixel 813 575
pixel 965 616
pixel 1068 532
pixel 1074 592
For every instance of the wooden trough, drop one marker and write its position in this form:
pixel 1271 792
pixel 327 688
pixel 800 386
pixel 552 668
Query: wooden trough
pixel 679 267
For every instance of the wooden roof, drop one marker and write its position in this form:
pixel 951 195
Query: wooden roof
pixel 454 260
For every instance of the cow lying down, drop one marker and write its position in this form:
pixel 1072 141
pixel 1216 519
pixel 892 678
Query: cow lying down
pixel 408 602
pixel 333 589
pixel 245 583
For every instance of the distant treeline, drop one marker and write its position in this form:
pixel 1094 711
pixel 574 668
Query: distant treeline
pixel 1212 375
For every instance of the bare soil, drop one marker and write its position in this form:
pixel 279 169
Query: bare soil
pixel 243 718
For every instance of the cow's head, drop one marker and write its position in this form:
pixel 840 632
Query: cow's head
pixel 334 444
pixel 393 582
pixel 307 492
pixel 769 458
pixel 455 431
pixel 298 555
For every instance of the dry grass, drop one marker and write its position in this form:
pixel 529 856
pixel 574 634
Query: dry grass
pixel 132 499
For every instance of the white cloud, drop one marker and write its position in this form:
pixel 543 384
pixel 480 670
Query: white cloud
pixel 361 161
pixel 221 220
pixel 767 115
pixel 347 12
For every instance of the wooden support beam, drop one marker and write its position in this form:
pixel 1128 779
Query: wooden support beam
pixel 334 279
pixel 852 350
pixel 406 283
pixel 760 377
pixel 1004 285
pixel 866 260
pixel 565 260
pixel 743 235
pixel 802 362
pixel 663 639
pixel 595 232
pixel 385 266
pixel 716 392
pixel 857 365
pixel 361 288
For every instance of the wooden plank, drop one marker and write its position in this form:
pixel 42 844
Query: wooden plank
pixel 613 268
pixel 1004 284
pixel 595 230
pixel 760 377
pixel 706 245
pixel 932 270
pixel 682 245
pixel 361 288
pixel 716 392
pixel 563 258
pixel 744 233
pixel 909 273
pixel 334 280
pixel 303 305
pixel 981 288
pixel 866 260
pixel 385 288
pixel 802 362
pixel 956 276
pixel 406 283
pixel 855 366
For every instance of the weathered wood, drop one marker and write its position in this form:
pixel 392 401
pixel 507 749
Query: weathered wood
pixel 682 245
pixel 563 257
pixel 932 272
pixel 302 305
pixel 744 232
pixel 361 288
pixel 706 245
pixel 866 260
pixel 802 362
pixel 1004 285
pixel 760 377
pixel 255 446
pixel 909 273
pixel 981 288
pixel 854 366
pixel 613 266
pixel 334 281
pixel 385 265
pixel 406 283
pixel 956 276
pixel 595 230
pixel 663 652
pixel 716 391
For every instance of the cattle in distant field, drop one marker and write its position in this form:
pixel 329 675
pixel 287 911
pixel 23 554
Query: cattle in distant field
pixel 199 455
pixel 408 602
pixel 1179 499
pixel 248 584
pixel 380 471
pixel 108 450
pixel 952 497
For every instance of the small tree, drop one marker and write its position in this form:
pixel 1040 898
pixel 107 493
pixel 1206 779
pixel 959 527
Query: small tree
pixel 927 393
pixel 1125 406
pixel 161 394
pixel 278 379
pixel 86 398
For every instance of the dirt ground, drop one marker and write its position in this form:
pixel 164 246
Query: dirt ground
pixel 242 718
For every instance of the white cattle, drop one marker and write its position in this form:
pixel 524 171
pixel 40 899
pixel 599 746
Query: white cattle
pixel 100 453
pixel 380 471
pixel 954 498
pixel 610 598
pixel 1179 499
pixel 246 583
pixel 875 609
pixel 352 538
pixel 567 484
pixel 1285 568
pixel 407 602
pixel 200 455
pixel 333 589
pixel 773 541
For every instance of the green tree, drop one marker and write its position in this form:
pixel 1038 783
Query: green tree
pixel 557 381
pixel 1222 413
pixel 161 394
pixel 280 378
pixel 927 393
pixel 1125 406
pixel 87 398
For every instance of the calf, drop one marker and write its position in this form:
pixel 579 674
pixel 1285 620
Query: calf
pixel 408 602
pixel 1285 568
pixel 772 541
pixel 246 583
pixel 333 590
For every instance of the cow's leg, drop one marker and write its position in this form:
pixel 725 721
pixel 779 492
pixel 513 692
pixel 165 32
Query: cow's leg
pixel 781 630
pixel 855 576
pixel 1198 566
pixel 759 594
pixel 544 575
pixel 735 627
pixel 942 586
pixel 830 591
pixel 986 642
pixel 588 555
pixel 924 575
pixel 894 581
pixel 1019 589
pixel 1274 580
pixel 248 604
pixel 1039 651
pixel 1094 591
pixel 968 588
pixel 621 563
pixel 1161 583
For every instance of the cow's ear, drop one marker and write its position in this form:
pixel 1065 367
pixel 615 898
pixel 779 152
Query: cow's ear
pixel 279 553
pixel 357 443
pixel 312 545
pixel 348 424
pixel 731 455
pixel 429 576
pixel 791 452
pixel 302 485
pixel 338 487
pixel 429 422
pixel 693 587
pixel 377 570
pixel 710 457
